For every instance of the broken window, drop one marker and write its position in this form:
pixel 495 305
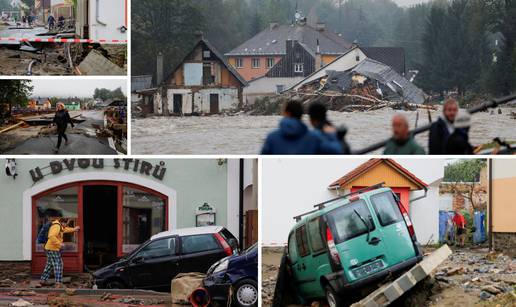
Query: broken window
pixel 298 67
pixel 270 62
pixel 256 62
pixel 239 63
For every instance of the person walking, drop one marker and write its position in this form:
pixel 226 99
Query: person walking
pixel 53 251
pixel 324 129
pixel 402 142
pixel 441 130
pixel 293 136
pixel 61 120
pixel 460 228
pixel 51 22
pixel 458 142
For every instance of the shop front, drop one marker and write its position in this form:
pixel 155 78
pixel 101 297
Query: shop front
pixel 115 217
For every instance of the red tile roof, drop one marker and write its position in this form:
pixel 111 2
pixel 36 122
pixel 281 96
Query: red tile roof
pixel 365 167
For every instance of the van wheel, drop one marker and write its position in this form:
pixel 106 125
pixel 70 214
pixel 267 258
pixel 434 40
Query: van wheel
pixel 246 293
pixel 114 284
pixel 333 299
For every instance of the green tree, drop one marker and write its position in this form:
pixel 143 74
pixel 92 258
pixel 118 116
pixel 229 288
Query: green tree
pixel 14 92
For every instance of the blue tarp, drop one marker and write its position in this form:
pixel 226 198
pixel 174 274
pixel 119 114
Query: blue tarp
pixel 479 236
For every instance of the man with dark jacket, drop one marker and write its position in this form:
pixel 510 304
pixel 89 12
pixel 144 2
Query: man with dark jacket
pixel 402 142
pixel 441 130
pixel 458 142
pixel 61 120
pixel 293 137
pixel 324 129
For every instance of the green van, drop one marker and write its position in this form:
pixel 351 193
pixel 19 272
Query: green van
pixel 349 243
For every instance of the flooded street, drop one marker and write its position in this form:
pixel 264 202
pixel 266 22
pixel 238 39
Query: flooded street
pixel 245 134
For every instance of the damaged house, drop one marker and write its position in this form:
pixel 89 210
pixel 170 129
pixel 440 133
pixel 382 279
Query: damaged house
pixel 203 83
pixel 358 81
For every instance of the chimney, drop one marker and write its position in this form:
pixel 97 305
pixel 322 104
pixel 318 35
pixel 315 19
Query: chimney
pixel 199 35
pixel 159 69
pixel 273 26
pixel 318 57
pixel 320 26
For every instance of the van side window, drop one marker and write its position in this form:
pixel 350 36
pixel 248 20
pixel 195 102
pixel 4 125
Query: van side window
pixel 292 251
pixel 386 208
pixel 302 241
pixel 316 239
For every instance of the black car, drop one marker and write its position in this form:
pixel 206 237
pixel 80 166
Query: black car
pixel 156 262
pixel 239 272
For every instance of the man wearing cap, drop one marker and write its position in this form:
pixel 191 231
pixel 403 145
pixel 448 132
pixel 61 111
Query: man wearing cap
pixel 458 142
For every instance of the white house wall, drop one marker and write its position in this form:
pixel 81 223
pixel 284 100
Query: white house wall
pixel 186 101
pixel 228 99
pixel 263 87
pixel 158 103
pixel 446 202
pixel 424 214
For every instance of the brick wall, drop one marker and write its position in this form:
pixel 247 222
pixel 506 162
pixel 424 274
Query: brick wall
pixel 505 242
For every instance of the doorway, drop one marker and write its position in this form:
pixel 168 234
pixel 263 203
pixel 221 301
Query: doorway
pixel 178 104
pixel 100 225
pixel 214 103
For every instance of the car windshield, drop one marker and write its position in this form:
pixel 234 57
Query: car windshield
pixel 346 224
pixel 251 248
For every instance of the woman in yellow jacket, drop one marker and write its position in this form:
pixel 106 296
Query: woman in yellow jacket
pixel 53 251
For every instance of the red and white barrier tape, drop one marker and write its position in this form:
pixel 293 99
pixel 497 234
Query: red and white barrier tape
pixel 63 40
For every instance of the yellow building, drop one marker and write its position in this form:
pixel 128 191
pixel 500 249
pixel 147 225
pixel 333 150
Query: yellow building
pixel 502 187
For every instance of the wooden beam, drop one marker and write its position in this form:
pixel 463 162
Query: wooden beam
pixel 11 127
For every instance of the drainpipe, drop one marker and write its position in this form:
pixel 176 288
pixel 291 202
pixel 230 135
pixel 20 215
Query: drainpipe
pixel 490 206
pixel 419 197
pixel 241 206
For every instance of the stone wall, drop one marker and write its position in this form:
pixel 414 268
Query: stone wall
pixel 505 242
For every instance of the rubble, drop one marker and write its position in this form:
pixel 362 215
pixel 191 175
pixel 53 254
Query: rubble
pixel 21 303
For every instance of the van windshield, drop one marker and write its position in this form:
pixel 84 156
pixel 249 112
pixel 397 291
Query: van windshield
pixel 346 224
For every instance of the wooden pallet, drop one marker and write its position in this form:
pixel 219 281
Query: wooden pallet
pixel 387 294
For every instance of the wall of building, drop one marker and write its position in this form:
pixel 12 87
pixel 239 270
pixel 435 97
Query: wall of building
pixel 504 185
pixel 424 214
pixel 266 87
pixel 228 99
pixel 505 242
pixel 194 181
pixel 247 71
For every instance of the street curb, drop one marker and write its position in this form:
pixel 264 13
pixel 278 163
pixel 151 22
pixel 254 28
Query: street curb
pixel 88 291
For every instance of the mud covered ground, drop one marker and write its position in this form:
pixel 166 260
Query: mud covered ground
pixel 469 277
pixel 244 134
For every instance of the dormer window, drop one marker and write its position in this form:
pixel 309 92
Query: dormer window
pixel 298 68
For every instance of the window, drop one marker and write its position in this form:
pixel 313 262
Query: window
pixel 206 54
pixel 159 248
pixel 256 62
pixel 298 68
pixel 60 204
pixel 386 208
pixel 143 217
pixel 198 243
pixel 292 251
pixel 270 62
pixel 316 238
pixel 239 63
pixel 346 224
pixel 280 88
pixel 302 241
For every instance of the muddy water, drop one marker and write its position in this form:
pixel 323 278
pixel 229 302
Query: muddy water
pixel 244 134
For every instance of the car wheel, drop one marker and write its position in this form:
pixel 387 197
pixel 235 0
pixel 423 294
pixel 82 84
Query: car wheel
pixel 246 293
pixel 333 299
pixel 114 284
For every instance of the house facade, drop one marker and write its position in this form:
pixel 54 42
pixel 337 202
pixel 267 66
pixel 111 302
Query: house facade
pixel 203 83
pixel 502 208
pixel 120 203
pixel 256 57
pixel 39 104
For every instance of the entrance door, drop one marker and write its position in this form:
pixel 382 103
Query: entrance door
pixel 214 103
pixel 178 104
pixel 100 220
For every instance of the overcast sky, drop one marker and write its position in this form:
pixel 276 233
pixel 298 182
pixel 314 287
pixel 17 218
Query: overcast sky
pixel 409 2
pixel 73 88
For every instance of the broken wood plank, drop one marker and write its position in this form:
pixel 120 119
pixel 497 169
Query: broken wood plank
pixel 11 127
pixel 387 294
